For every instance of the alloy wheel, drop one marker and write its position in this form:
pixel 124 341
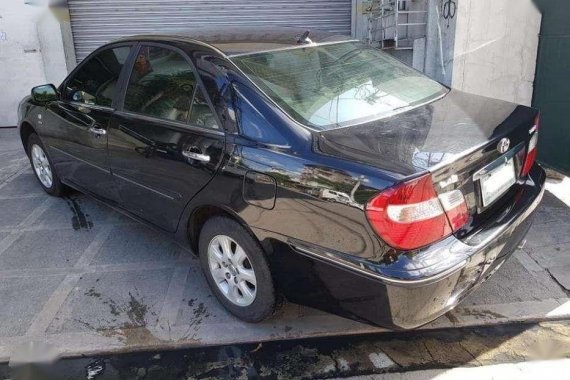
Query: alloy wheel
pixel 232 271
pixel 41 166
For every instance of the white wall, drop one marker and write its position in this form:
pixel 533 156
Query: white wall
pixel 496 45
pixel 51 44
pixel 21 64
pixel 440 40
pixel 32 51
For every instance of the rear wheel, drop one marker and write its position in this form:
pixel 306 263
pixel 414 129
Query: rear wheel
pixel 236 269
pixel 43 168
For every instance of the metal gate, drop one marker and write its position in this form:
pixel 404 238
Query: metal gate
pixel 552 86
pixel 95 22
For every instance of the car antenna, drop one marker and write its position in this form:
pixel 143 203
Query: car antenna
pixel 304 38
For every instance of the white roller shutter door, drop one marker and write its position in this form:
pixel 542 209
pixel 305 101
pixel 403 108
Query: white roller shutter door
pixel 95 22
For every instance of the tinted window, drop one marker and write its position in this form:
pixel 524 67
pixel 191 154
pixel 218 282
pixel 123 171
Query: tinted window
pixel 162 85
pixel 96 81
pixel 201 114
pixel 252 120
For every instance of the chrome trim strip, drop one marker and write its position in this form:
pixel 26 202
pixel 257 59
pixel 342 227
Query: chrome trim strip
pixel 80 160
pixel 460 155
pixel 91 106
pixel 496 163
pixel 172 123
pixel 145 187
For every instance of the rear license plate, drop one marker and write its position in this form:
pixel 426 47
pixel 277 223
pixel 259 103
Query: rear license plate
pixel 496 181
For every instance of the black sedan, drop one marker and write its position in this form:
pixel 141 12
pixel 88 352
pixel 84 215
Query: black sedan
pixel 296 164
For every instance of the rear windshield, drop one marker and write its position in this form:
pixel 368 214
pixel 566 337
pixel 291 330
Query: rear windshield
pixel 336 85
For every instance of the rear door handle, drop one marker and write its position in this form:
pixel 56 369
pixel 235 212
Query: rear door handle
pixel 98 131
pixel 196 155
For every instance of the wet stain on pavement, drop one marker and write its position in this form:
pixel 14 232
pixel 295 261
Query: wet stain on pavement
pixel 79 220
pixel 136 311
pixel 129 321
pixel 134 330
pixel 478 314
pixel 452 318
pixel 93 293
pixel 113 308
pixel 200 311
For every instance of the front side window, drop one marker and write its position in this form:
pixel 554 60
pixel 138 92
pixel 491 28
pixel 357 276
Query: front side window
pixel 95 83
pixel 335 85
pixel 163 85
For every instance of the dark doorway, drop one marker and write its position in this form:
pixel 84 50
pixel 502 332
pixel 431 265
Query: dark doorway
pixel 552 85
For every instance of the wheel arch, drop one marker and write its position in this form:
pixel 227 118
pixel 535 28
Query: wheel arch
pixel 26 130
pixel 201 214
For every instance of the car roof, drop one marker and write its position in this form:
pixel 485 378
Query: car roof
pixel 245 40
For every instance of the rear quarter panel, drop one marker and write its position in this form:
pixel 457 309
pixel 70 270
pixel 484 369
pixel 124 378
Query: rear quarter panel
pixel 302 211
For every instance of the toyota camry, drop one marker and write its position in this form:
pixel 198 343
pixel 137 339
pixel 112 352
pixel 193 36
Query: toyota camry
pixel 296 164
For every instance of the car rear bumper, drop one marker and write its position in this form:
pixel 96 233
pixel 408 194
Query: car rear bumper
pixel 419 287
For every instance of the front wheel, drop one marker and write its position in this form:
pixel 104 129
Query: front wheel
pixel 43 168
pixel 236 269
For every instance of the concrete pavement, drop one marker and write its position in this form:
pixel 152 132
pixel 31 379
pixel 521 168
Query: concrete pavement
pixel 546 369
pixel 83 279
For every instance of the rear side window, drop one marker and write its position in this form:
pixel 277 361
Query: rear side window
pixel 163 85
pixel 252 120
pixel 201 114
pixel 95 83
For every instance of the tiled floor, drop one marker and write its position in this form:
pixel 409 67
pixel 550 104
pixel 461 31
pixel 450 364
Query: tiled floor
pixel 109 283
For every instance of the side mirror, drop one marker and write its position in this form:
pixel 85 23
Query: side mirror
pixel 44 94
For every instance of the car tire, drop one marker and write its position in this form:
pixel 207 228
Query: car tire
pixel 227 282
pixel 43 167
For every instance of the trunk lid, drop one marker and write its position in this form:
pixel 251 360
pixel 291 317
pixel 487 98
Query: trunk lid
pixel 453 138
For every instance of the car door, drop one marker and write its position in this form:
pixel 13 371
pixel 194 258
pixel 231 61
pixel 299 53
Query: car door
pixel 79 120
pixel 165 143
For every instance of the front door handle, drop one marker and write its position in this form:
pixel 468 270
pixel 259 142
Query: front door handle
pixel 98 131
pixel 196 155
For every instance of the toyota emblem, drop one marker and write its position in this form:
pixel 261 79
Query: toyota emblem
pixel 503 145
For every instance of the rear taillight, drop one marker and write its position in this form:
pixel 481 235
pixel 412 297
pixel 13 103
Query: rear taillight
pixel 532 149
pixel 411 215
